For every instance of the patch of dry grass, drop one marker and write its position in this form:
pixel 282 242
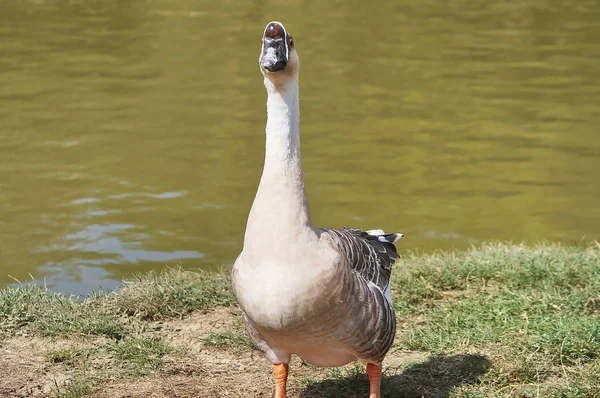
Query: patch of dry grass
pixel 173 293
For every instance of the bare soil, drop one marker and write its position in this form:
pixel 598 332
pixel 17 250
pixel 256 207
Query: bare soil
pixel 192 370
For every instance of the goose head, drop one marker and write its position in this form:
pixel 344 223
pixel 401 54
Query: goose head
pixel 278 59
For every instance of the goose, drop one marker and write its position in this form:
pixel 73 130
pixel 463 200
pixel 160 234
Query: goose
pixel 319 293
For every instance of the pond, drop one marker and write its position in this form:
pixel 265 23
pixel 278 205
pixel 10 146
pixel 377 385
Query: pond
pixel 132 132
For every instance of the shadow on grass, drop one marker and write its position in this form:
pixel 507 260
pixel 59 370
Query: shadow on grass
pixel 433 378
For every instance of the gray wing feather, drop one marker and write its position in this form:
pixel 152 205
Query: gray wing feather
pixel 369 256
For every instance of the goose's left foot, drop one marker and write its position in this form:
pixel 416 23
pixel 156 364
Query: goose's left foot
pixel 280 373
pixel 374 372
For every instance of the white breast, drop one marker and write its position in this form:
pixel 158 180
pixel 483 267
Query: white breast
pixel 275 296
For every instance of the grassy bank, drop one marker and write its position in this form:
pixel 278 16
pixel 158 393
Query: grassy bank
pixel 496 321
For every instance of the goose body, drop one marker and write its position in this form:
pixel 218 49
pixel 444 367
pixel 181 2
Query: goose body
pixel 322 294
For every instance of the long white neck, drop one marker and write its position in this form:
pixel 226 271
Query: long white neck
pixel 283 125
pixel 280 209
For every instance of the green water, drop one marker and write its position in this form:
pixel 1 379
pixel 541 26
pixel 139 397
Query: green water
pixel 132 132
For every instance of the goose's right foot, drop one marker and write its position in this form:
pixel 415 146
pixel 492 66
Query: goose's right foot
pixel 280 373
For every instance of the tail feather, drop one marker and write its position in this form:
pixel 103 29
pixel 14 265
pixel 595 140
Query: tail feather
pixel 383 237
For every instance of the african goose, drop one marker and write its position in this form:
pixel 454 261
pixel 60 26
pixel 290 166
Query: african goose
pixel 322 294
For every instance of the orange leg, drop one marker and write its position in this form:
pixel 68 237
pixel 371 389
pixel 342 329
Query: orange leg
pixel 374 372
pixel 280 373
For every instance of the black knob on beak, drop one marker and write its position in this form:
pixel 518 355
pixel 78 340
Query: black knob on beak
pixel 275 30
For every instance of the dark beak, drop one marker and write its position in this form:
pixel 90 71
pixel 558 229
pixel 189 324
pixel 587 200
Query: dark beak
pixel 275 51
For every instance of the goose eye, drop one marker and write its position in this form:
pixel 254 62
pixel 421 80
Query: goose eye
pixel 291 41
